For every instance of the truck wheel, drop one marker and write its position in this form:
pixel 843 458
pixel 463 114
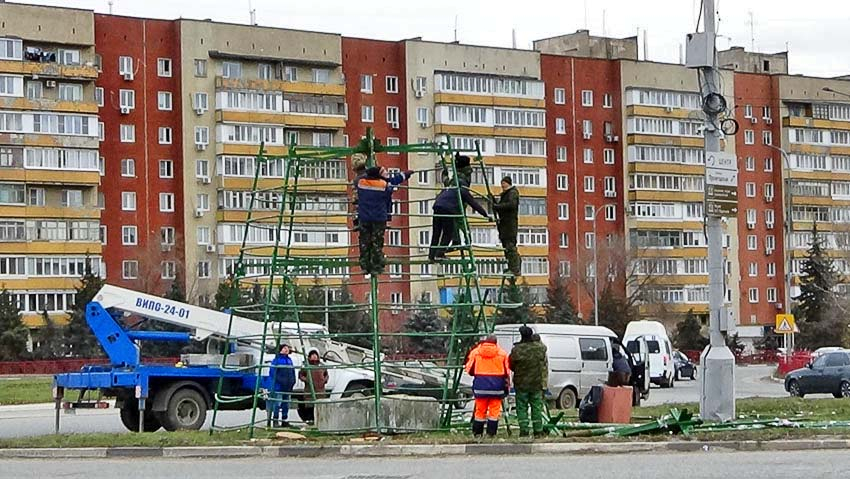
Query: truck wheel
pixel 186 410
pixel 567 399
pixel 130 419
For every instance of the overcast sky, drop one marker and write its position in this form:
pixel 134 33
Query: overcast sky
pixel 816 32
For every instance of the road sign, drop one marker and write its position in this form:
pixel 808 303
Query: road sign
pixel 718 177
pixel 722 208
pixel 721 193
pixel 785 324
pixel 722 161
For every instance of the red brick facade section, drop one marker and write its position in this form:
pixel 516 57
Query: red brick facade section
pixel 759 91
pixel 145 41
pixel 379 59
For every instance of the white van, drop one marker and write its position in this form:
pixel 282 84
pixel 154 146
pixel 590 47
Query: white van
pixel 662 366
pixel 579 357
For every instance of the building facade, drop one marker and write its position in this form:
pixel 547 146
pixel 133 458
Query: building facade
pixel 606 151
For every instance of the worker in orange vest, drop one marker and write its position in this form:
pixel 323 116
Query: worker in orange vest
pixel 488 365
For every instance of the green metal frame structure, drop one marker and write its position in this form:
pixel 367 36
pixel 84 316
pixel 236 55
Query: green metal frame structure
pixel 274 269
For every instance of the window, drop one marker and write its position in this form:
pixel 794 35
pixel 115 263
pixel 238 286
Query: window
pixel 128 133
pixel 203 201
pixel 586 98
pixel 753 295
pixel 200 102
pixel 103 234
pixel 771 270
pixel 391 84
pixel 128 167
pixel 589 240
pixel 98 96
pixel 35 90
pixel 392 116
pixel 202 135
pixel 560 126
pixel 164 100
pixel 589 212
pixel 768 165
pixel 203 234
pixel 168 270
pixel 129 235
pixel 561 154
pixel 72 198
pixel 563 240
pixel 754 269
pixel 424 238
pixel 200 68
pixel 367 114
pixel 770 242
pixel 768 191
pixel 70 92
pixel 36 197
pixel 608 156
pixel 101 132
pixel 769 218
pixel 394 237
pixel 125 66
pixel 166 169
pixel 424 177
pixel 163 67
pixel 563 182
pixel 748 111
pixel 127 99
pixel 752 242
pixel 560 96
pixel 164 135
pixel 610 186
pixel 749 137
pixel 290 73
pixel 231 69
pixel 750 163
pixel 563 211
pixel 166 202
pixel 167 235
pixel 610 212
pixel 589 184
pixel 750 188
pixel 366 83
pixel 771 295
pixel 767 137
pixel 391 141
pixel 129 269
pixel 202 169
pixel 203 269
pixel 11 49
pixel 321 75
pixel 607 101
pixel 422 116
pixel 264 71
pixel 321 138
pixel 587 128
pixel 588 155
pixel 128 200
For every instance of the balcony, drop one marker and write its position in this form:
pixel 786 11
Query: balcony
pixel 44 104
pixel 50 177
pixel 49 70
pixel 310 88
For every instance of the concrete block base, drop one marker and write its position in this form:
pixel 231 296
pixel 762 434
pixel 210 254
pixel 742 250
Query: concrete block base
pixel 399 413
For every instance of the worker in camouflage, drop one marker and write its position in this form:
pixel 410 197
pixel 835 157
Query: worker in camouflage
pixel 530 367
pixel 507 213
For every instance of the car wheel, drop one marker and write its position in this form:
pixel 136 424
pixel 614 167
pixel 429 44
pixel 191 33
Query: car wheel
pixel 844 390
pixel 568 399
pixel 794 389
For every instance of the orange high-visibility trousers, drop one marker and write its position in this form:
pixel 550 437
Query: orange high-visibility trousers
pixel 487 409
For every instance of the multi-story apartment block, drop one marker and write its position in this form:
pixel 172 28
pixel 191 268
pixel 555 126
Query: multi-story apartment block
pixel 605 149
pixel 49 169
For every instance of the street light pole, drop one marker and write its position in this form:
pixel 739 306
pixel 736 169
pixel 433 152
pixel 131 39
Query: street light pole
pixel 596 268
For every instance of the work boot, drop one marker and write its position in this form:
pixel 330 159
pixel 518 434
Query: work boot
pixel 477 429
pixel 492 428
pixel 540 434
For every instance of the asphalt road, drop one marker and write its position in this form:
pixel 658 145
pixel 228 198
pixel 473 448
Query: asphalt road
pixel 37 420
pixel 708 465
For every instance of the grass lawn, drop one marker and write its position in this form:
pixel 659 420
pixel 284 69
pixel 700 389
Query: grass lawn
pixel 26 390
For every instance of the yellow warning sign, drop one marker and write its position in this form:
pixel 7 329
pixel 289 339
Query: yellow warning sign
pixel 785 324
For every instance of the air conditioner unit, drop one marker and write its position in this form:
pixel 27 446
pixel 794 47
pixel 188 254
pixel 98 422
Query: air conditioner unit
pixel 50 83
pixel 610 194
pixel 394 125
pixel 210 248
pixel 778 305
pixel 200 146
pixel 423 124
pixel 200 111
pixel 125 110
pixel 768 251
pixel 768 198
pixel 128 76
pixel 768 121
pixel 668 109
pixel 199 213
pixel 609 138
pixel 587 136
pixel 751 226
pixel 753 120
pixel 769 224
pixel 206 180
pixel 419 93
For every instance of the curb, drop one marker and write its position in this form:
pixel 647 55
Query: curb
pixel 424 450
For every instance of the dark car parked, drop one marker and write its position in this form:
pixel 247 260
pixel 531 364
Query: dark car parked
pixel 685 368
pixel 829 373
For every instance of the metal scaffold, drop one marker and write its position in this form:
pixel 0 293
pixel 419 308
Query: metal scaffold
pixel 275 262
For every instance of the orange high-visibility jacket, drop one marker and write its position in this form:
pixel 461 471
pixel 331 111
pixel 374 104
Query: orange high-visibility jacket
pixel 488 365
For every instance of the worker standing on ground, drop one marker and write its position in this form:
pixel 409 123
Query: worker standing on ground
pixel 283 373
pixel 314 377
pixel 528 362
pixel 374 195
pixel 447 208
pixel 507 221
pixel 488 365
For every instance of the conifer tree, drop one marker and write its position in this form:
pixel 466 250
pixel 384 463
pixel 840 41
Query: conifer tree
pixel 13 333
pixel 425 320
pixel 79 338
pixel 559 308
pixel 817 310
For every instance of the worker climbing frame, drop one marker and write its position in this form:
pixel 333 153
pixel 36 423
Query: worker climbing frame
pixel 295 230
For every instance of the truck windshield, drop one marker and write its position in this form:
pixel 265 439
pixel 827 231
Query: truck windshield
pixel 633 346
pixel 653 347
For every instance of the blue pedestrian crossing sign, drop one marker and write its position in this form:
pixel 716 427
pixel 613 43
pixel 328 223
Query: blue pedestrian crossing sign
pixel 785 324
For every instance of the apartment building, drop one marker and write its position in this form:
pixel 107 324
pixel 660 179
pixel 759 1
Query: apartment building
pixel 50 172
pixel 141 145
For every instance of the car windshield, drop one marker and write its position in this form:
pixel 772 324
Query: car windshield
pixel 653 347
